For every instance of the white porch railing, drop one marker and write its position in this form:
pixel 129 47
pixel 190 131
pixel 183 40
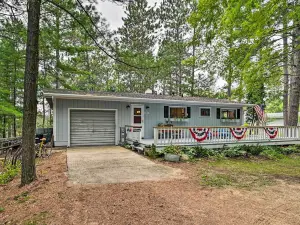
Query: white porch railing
pixel 133 133
pixel 223 135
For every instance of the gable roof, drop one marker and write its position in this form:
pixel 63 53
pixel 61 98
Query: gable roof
pixel 138 97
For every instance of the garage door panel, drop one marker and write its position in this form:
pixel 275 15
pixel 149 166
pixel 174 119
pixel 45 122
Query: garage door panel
pixel 92 127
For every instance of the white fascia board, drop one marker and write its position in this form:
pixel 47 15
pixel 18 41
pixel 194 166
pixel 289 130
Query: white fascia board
pixel 142 100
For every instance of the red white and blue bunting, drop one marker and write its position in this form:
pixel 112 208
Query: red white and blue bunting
pixel 239 132
pixel 199 134
pixel 271 131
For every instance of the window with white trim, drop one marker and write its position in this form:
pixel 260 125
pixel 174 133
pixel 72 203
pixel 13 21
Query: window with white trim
pixel 204 112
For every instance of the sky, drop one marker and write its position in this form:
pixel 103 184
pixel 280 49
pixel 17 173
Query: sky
pixel 114 12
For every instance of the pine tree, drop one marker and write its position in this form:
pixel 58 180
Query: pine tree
pixel 137 41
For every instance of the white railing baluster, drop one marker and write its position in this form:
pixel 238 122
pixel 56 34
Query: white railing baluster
pixel 168 135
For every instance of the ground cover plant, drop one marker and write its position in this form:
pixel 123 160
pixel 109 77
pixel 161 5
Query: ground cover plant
pixel 8 172
pixel 243 166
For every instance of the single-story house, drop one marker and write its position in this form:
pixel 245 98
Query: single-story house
pixel 95 118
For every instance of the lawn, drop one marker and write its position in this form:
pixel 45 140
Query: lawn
pixel 249 172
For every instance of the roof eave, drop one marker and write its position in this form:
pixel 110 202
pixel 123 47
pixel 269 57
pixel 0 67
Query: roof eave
pixel 146 100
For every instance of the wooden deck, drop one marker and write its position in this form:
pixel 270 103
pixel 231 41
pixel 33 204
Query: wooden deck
pixel 219 137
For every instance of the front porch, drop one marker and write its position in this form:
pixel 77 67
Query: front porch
pixel 217 137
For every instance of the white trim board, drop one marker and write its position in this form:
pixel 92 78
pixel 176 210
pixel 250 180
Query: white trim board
pixel 92 109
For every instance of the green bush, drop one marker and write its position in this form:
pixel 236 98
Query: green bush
pixel 190 152
pixel 152 153
pixel 218 156
pixel 248 150
pixel 272 154
pixel 234 152
pixel 201 152
pixel 255 149
pixel 9 173
pixel 172 149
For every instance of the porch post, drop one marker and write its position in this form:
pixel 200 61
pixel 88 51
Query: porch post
pixel 155 136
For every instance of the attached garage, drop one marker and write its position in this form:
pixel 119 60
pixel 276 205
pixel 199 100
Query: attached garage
pixel 92 127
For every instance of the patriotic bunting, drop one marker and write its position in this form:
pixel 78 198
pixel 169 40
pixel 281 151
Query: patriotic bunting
pixel 199 134
pixel 271 131
pixel 238 133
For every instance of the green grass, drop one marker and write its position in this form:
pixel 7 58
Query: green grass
pixel 2 209
pixel 37 219
pixel 249 173
pixel 23 197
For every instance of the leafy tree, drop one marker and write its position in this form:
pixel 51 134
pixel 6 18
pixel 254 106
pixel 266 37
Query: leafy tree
pixel 255 30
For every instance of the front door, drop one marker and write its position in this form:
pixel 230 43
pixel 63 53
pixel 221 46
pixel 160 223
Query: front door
pixel 137 117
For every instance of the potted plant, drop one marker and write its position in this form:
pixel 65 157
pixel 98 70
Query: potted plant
pixel 172 153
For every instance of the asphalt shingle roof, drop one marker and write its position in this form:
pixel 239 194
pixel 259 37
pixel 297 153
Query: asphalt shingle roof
pixel 48 92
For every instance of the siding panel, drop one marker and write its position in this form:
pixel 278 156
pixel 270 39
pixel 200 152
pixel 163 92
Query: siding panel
pixel 153 116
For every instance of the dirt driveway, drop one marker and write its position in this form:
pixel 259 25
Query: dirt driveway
pixel 113 164
pixel 50 200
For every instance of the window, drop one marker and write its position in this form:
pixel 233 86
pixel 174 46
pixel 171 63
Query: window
pixel 137 115
pixel 228 113
pixel 205 112
pixel 178 112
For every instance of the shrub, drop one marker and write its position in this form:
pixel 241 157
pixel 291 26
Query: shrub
pixel 190 152
pixel 128 146
pixel 172 149
pixel 255 149
pixel 272 154
pixel 9 173
pixel 218 156
pixel 152 153
pixel 201 152
pixel 234 152
pixel 248 149
pixel 287 150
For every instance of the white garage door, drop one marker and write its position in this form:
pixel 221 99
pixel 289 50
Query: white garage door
pixel 92 127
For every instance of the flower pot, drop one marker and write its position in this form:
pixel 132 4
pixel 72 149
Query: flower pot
pixel 172 157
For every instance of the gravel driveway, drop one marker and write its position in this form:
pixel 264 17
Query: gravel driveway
pixel 114 164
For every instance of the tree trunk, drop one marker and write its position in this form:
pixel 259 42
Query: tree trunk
pixel 4 127
pixel 44 114
pixel 14 100
pixel 194 65
pixel 30 92
pixel 295 81
pixel 286 74
pixel 57 22
pixel 44 111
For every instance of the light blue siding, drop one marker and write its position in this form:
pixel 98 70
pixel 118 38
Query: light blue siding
pixel 152 116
